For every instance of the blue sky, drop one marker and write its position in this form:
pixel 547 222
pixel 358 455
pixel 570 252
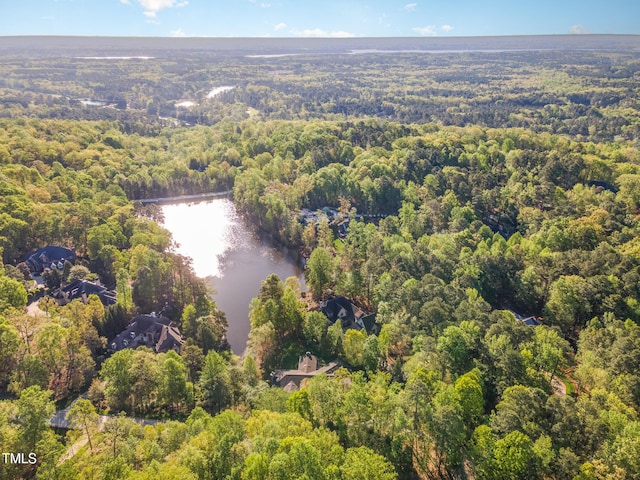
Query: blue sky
pixel 312 18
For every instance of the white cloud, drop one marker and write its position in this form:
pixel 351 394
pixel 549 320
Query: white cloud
pixel 446 28
pixel 411 7
pixel 426 31
pixel 319 33
pixel 579 30
pixel 178 32
pixel 280 26
pixel 265 5
pixel 152 7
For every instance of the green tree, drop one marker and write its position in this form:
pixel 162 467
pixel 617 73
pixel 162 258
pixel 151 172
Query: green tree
pixel 83 415
pixel 371 353
pixel 514 457
pixel 353 344
pixel 314 327
pixel 117 372
pixel 78 272
pixel 34 410
pixel 319 271
pixel 51 278
pixel 215 384
pixel 175 391
pixel 469 390
pixel 549 349
pixel 9 344
pixel 12 294
pixel 362 463
pixel 334 340
pixel 116 431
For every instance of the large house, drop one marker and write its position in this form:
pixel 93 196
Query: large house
pixel 49 257
pixel 81 289
pixel 308 367
pixel 152 331
pixel 351 317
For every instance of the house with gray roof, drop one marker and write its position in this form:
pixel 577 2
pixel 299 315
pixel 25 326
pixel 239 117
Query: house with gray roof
pixel 81 289
pixel 51 257
pixel 527 320
pixel 152 331
pixel 308 367
pixel 350 316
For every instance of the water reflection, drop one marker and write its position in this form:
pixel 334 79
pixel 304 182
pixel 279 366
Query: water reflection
pixel 227 252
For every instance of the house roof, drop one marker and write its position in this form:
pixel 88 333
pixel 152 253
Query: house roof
pixel 82 289
pixel 341 308
pixel 147 323
pixel 45 256
pixel 308 367
pixel 153 331
pixel 530 320
pixel 170 339
pixel 308 363
pixel 370 325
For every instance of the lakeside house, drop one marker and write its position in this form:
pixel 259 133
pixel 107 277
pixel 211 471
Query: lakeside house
pixel 339 224
pixel 51 256
pixel 308 367
pixel 350 316
pixel 152 331
pixel 81 289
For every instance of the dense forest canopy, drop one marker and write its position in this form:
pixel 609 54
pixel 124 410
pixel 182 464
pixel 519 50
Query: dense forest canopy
pixel 480 187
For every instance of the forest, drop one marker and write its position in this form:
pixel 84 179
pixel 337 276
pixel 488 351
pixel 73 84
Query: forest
pixel 497 186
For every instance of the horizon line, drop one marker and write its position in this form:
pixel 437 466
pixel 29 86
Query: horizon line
pixel 299 37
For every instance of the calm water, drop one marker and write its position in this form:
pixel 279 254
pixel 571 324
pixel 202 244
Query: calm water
pixel 227 252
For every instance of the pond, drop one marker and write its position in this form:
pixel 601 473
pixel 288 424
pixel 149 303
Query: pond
pixel 229 253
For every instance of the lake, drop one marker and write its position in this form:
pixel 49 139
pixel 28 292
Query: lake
pixel 229 253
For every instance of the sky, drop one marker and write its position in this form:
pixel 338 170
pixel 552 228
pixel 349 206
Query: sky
pixel 317 18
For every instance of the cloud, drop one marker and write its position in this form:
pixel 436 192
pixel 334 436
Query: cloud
pixel 265 5
pixel 446 28
pixel 429 30
pixel 411 7
pixel 177 33
pixel 152 7
pixel 280 26
pixel 319 33
pixel 579 30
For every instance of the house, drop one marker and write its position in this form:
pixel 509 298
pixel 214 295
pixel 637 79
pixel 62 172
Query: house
pixel 338 223
pixel 308 367
pixel 531 320
pixel 82 289
pixel 152 331
pixel 49 257
pixel 340 308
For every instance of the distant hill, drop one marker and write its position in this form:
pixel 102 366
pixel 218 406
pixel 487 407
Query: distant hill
pixel 56 45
